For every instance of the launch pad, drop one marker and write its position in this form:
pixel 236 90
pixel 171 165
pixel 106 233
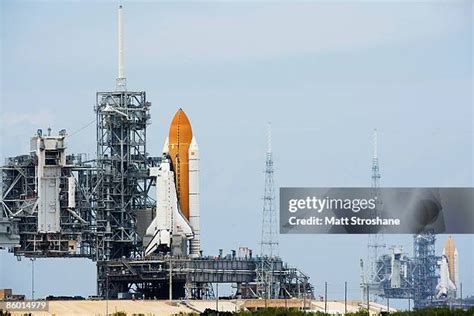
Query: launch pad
pixel 136 215
pixel 163 277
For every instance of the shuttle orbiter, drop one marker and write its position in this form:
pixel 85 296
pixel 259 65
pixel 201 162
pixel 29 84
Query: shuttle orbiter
pixel 451 253
pixel 177 192
pixel 445 284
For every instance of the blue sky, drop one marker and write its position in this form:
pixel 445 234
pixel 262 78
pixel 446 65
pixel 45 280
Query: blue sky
pixel 324 73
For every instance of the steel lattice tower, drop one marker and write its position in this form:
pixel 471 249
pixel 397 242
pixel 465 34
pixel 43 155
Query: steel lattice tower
pixel 122 160
pixel 376 240
pixel 267 287
pixel 269 241
pixel 425 265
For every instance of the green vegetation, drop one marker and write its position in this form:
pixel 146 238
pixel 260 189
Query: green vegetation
pixel 125 314
pixel 440 311
pixel 431 311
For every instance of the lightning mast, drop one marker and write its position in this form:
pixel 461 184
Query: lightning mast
pixel 375 240
pixel 375 164
pixel 267 287
pixel 269 242
pixel 121 80
pixel 122 161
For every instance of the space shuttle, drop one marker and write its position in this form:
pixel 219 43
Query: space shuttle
pixel 176 225
pixel 445 285
pixel 449 270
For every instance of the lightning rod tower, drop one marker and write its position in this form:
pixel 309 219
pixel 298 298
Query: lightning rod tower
pixel 267 287
pixel 376 239
pixel 269 241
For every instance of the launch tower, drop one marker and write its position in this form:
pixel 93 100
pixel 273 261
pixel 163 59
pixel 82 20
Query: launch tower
pixel 122 163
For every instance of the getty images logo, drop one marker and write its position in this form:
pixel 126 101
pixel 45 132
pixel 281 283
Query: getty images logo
pixel 319 205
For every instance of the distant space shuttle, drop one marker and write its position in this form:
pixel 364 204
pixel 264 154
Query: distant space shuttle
pixel 449 271
pixel 177 218
pixel 445 284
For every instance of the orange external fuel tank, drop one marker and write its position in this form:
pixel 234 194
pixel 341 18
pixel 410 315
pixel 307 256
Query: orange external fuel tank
pixel 180 138
pixel 449 249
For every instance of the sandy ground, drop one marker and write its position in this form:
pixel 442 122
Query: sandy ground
pixel 164 308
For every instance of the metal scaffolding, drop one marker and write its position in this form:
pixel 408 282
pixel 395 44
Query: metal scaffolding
pixel 179 278
pixel 122 162
pixel 414 278
pixel 99 201
pixel 425 269
pixel 20 204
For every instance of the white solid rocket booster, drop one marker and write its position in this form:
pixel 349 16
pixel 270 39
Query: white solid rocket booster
pixel 456 272
pixel 166 146
pixel 193 154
